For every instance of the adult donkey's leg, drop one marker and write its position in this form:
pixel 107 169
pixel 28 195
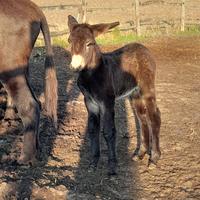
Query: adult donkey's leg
pixel 109 133
pixel 10 107
pixel 29 112
pixel 93 130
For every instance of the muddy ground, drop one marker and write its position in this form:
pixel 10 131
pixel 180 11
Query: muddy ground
pixel 62 172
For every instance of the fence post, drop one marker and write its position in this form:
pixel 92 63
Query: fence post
pixel 183 15
pixel 137 17
pixel 82 12
pixel 84 5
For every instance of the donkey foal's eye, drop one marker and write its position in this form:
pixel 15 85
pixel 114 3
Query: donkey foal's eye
pixel 90 44
pixel 69 40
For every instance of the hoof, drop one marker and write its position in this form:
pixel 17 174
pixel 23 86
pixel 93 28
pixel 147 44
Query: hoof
pixel 10 115
pixel 27 160
pixel 92 168
pixel 93 164
pixel 136 158
pixel 155 156
pixel 139 154
pixel 112 167
pixel 112 172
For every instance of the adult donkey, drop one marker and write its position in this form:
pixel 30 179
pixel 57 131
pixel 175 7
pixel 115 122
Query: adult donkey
pixel 128 71
pixel 20 24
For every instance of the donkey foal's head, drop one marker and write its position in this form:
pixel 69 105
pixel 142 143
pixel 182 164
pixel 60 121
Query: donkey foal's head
pixel 85 52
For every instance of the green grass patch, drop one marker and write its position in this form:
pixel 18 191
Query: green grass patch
pixel 111 38
pixel 116 37
pixel 56 41
pixel 60 41
pixel 193 30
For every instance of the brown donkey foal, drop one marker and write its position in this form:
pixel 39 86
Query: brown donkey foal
pixel 20 24
pixel 104 77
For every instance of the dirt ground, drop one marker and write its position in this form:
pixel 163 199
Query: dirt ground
pixel 62 172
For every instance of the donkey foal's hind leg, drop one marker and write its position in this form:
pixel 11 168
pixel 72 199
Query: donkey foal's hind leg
pixel 155 121
pixel 143 144
pixel 140 150
pixel 29 112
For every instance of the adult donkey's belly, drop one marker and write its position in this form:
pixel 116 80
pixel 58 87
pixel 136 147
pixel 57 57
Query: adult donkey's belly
pixel 14 43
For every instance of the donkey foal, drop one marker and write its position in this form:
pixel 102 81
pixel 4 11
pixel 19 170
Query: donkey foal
pixel 104 77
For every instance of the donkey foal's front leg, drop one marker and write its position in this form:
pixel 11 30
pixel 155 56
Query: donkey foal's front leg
pixel 93 131
pixel 109 133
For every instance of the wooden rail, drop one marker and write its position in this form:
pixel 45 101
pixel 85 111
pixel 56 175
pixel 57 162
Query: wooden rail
pixel 60 7
pixel 135 22
pixel 183 15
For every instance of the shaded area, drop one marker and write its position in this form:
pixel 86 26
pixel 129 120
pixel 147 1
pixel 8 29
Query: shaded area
pixel 98 185
pixel 52 171
pixel 24 176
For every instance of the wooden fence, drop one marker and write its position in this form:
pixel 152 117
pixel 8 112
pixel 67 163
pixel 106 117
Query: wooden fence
pixel 137 16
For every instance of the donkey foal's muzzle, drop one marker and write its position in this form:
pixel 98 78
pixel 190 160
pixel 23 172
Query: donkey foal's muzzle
pixel 77 62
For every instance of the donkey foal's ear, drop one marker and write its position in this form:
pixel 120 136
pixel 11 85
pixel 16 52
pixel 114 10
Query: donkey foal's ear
pixel 102 28
pixel 71 22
